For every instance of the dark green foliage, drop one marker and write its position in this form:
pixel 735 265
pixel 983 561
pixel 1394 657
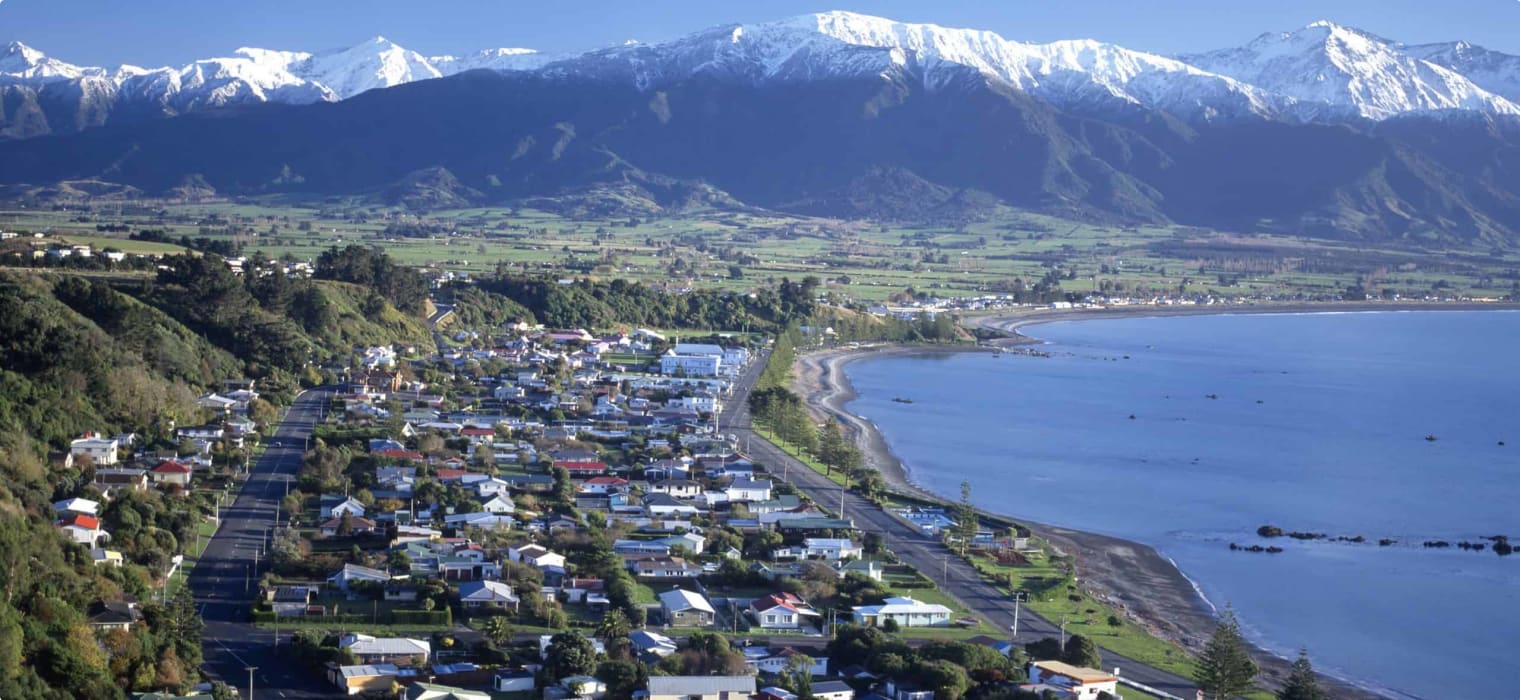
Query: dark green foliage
pixel 1225 668
pixel 1047 649
pixel 569 654
pixel 1080 651
pixel 596 304
pixel 1302 684
pixel 402 286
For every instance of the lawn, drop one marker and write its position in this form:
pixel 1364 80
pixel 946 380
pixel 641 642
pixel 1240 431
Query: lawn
pixel 1054 597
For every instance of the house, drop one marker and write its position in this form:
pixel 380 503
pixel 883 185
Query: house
pixel 351 573
pixel 487 594
pixel 366 678
pixel 906 611
pixel 481 519
pixel 678 488
pixel 902 689
pixel 832 690
pixel 831 549
pixel 580 687
pixel 743 490
pixel 691 542
pixel 640 547
pixel 433 691
pixel 128 479
pixel 171 472
pixel 650 644
pixel 781 611
pixel 870 569
pixel 701 687
pixel 79 506
pixel 335 506
pixel 1067 681
pixel 292 601
pixel 496 504
pixel 658 504
pixel 537 556
pixel 108 615
pixel 107 557
pixel 604 485
pixel 663 567
pixel 514 681
pixel 84 529
pixel 545 639
pixel 102 451
pixel 685 608
pixel 775 661
pixel 581 468
pixel 398 650
pixel 359 527
pixel 591 591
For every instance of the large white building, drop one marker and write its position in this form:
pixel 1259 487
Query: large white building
pixel 691 365
pixel 906 611
pixel 100 450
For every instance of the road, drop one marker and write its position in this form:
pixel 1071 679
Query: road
pixel 227 576
pixel 952 574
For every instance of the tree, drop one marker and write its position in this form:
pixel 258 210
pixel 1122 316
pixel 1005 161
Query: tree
pixel 1081 652
pixel 1225 669
pixel 622 678
pixel 497 629
pixel 798 675
pixel 613 625
pixel 569 654
pixel 966 523
pixel 399 561
pixel 948 680
pixel 1047 649
pixel 1302 684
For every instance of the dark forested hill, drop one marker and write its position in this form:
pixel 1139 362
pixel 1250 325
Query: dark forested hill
pixel 880 147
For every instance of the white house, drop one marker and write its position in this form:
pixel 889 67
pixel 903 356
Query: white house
pixel 82 506
pixel 832 549
pixel 100 450
pixel 497 504
pixel 538 556
pixel 701 687
pixel 348 505
pixel 685 608
pixel 691 365
pixel 781 611
pixel 487 594
pixel 906 611
pixel 1068 681
pixel 744 489
pixel 351 573
pixel 372 650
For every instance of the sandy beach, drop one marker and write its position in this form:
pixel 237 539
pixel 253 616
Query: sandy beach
pixel 1132 576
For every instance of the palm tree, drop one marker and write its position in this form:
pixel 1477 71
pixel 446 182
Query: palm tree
pixel 497 629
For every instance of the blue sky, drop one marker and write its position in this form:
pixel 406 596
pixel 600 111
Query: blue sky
pixel 162 32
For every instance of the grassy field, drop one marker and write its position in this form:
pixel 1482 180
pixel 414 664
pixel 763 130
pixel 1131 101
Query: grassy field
pixel 860 260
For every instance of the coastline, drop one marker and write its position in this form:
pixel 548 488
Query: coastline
pixel 1146 585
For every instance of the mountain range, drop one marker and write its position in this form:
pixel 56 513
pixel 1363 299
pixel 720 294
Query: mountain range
pixel 1325 130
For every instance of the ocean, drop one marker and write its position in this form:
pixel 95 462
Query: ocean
pixel 1189 433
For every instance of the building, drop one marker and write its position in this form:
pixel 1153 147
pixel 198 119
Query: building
pixel 906 611
pixel 84 529
pixel 101 450
pixel 353 573
pixel 364 678
pixel 701 687
pixel 744 490
pixel 663 567
pixel 691 365
pixel 377 650
pixel 685 608
pixel 433 691
pixel 514 681
pixel 477 595
pixel 110 615
pixel 781 611
pixel 833 690
pixel 1068 681
pixel 171 472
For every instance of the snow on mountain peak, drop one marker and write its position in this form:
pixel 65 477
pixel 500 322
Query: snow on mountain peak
pixel 1349 69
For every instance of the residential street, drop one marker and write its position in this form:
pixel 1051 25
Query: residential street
pixel 227 576
pixel 954 576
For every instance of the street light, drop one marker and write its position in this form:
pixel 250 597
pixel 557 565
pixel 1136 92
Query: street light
pixel 251 669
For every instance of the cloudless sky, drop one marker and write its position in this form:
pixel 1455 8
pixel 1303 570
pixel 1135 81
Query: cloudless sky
pixel 167 32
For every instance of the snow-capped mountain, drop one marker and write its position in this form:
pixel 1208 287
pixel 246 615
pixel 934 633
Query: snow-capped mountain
pixel 1322 72
pixel 1343 68
pixel 1493 71
pixel 835 45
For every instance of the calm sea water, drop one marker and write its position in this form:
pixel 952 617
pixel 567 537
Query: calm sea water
pixel 1318 424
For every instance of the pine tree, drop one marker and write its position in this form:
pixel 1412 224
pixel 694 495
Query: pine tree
pixel 1225 668
pixel 1302 683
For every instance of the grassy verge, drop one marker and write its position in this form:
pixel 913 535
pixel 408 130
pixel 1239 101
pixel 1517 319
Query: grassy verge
pixel 1053 596
pixel 836 476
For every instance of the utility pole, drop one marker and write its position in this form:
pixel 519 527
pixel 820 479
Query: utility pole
pixel 1063 632
pixel 251 669
pixel 1017 596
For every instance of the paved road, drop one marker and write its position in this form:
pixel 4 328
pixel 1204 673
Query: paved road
pixel 927 554
pixel 227 576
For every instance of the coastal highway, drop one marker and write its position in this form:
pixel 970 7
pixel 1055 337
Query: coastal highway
pixel 952 574
pixel 227 577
